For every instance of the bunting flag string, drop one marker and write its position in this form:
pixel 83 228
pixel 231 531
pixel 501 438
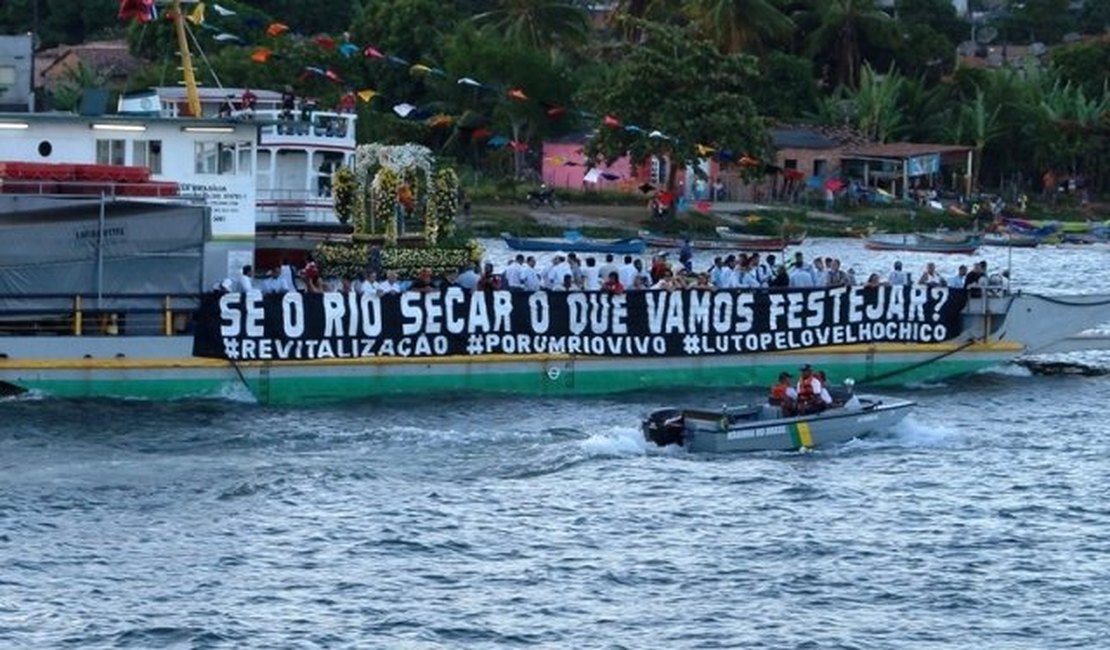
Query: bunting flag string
pixel 144 11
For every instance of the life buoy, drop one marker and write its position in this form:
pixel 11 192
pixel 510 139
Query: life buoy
pixel 553 373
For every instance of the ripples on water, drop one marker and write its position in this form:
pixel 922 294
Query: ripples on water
pixel 979 523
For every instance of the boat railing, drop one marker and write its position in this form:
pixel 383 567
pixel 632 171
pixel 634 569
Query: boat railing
pixel 319 127
pixel 109 189
pixel 93 315
pixel 294 206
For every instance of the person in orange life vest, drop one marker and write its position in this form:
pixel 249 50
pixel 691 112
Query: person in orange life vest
pixel 783 394
pixel 812 395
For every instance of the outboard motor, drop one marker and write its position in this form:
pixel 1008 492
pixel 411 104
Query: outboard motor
pixel 664 427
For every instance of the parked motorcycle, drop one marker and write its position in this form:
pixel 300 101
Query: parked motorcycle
pixel 542 196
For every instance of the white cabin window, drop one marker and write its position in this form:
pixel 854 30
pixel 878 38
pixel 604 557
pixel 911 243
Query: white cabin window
pixel 110 152
pixel 215 158
pixel 7 76
pixel 147 153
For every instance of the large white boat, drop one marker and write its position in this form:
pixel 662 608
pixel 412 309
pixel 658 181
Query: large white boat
pixel 115 228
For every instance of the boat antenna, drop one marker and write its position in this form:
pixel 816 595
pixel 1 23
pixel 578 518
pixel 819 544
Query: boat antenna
pixel 192 98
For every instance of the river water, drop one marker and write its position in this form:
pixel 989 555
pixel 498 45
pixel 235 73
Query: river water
pixel 432 522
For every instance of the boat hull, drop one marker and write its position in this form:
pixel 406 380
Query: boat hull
pixel 162 368
pixel 617 246
pixel 922 244
pixel 996 331
pixel 710 432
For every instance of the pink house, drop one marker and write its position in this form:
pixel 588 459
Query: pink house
pixel 564 165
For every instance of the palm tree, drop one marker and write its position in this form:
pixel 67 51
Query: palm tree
pixel 741 25
pixel 843 25
pixel 539 24
pixel 977 124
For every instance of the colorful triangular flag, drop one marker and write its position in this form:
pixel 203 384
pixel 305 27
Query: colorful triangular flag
pixel 517 94
pixel 367 95
pixel 403 110
pixel 324 41
pixel 372 52
pixel 262 55
pixel 223 11
pixel 611 122
pixel 348 50
pixel 419 69
pixel 276 29
pixel 196 16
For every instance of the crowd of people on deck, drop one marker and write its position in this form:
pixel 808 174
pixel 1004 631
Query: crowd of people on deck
pixel 618 274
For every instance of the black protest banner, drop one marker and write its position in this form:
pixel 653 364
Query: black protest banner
pixel 448 322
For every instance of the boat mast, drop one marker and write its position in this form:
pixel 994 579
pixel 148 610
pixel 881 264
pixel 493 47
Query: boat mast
pixel 191 96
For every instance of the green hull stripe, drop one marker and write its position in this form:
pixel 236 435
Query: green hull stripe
pixel 490 379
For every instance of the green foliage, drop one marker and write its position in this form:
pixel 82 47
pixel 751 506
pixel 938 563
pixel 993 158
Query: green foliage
pixel 344 188
pixel 786 89
pixel 741 25
pixel 543 25
pixel 843 28
pixel 67 93
pixel 653 85
pixel 1084 65
pixel 937 15
pixel 1038 20
pixel 408 261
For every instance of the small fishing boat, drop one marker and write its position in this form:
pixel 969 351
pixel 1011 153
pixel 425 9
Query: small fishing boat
pixel 663 241
pixel 1010 240
pixel 749 242
pixel 763 427
pixel 571 242
pixel 965 245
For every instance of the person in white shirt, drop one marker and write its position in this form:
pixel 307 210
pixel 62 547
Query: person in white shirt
pixel 271 283
pixel 285 277
pixel 591 275
pixel 800 277
pixel 930 277
pixel 512 273
pixel 746 278
pixel 627 272
pixel 607 268
pixel 389 284
pixel 529 278
pixel 820 273
pixel 468 278
pixel 553 277
pixel 367 284
pixel 898 277
pixel 957 281
pixel 245 282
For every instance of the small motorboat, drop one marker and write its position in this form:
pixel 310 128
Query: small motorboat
pixel 763 427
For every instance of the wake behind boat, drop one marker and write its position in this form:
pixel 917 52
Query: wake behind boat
pixel 763 427
pixel 572 242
